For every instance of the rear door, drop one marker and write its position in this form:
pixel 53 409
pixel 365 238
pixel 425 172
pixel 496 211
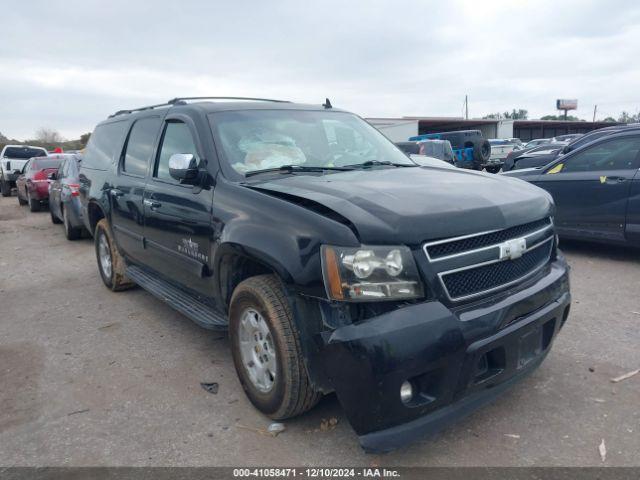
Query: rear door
pixel 128 186
pixel 178 228
pixel 591 188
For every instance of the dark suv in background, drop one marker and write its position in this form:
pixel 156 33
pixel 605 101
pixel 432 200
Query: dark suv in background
pixel 336 263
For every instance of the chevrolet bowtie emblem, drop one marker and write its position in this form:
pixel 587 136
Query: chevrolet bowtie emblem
pixel 513 249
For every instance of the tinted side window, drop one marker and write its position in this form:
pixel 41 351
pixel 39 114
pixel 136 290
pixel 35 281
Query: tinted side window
pixel 103 144
pixel 140 146
pixel 617 154
pixel 176 139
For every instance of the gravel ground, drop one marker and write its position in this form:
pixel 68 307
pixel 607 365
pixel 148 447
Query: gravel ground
pixel 90 377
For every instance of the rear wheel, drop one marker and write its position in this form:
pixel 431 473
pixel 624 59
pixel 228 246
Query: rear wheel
pixel 111 264
pixel 34 205
pixel 71 232
pixel 5 188
pixel 266 349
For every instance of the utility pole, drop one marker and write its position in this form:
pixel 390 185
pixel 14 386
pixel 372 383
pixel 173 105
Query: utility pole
pixel 595 109
pixel 466 107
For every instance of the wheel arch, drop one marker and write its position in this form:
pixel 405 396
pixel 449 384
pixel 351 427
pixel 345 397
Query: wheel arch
pixel 235 263
pixel 95 213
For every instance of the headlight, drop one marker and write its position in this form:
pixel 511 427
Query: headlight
pixel 369 273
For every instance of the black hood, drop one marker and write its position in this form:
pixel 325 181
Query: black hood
pixel 411 205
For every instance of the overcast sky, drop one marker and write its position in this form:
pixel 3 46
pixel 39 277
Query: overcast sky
pixel 68 64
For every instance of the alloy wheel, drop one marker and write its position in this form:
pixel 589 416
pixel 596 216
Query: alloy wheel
pixel 257 350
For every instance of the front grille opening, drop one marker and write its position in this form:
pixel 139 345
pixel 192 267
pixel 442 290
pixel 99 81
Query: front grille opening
pixel 489 277
pixel 472 243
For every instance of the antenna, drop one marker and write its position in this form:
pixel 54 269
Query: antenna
pixel 327 103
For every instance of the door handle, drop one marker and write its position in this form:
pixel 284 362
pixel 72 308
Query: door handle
pixel 615 179
pixel 116 193
pixel 152 204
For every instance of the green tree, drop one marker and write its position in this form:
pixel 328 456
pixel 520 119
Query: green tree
pixel 520 114
pixel 570 118
pixel 626 117
pixel 84 138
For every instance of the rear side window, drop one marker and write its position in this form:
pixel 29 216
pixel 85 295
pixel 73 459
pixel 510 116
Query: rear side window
pixel 104 142
pixel 140 146
pixel 176 139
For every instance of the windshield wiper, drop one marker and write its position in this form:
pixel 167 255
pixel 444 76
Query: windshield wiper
pixel 375 163
pixel 296 168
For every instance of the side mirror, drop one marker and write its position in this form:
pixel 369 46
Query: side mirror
pixel 566 149
pixel 52 176
pixel 183 167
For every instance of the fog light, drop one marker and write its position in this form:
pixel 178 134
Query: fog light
pixel 406 392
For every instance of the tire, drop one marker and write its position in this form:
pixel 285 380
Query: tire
pixel 5 188
pixel 72 233
pixel 21 200
pixel 34 205
pixel 290 393
pixel 493 169
pixel 114 277
pixel 54 218
pixel 481 151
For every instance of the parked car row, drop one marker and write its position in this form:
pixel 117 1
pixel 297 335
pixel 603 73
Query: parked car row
pixel 52 181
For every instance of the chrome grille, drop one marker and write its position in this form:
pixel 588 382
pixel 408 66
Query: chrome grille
pixel 445 248
pixel 498 274
pixel 476 265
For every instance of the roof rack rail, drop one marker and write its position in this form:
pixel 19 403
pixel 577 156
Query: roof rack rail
pixel 181 100
pixel 131 110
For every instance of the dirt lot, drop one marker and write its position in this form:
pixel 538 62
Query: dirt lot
pixel 91 377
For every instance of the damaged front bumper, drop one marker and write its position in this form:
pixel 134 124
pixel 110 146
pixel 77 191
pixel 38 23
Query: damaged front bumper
pixel 455 359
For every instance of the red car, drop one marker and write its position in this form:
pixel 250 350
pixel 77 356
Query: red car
pixel 33 184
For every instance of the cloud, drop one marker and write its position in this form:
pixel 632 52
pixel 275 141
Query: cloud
pixel 67 65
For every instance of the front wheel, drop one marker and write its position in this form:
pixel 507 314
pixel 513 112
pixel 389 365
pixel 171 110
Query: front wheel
pixel 111 265
pixel 266 349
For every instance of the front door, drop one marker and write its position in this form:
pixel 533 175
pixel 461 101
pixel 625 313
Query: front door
pixel 128 187
pixel 591 188
pixel 178 227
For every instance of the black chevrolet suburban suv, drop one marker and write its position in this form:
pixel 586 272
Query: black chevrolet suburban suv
pixel 337 264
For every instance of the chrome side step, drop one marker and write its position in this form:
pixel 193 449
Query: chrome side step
pixel 181 301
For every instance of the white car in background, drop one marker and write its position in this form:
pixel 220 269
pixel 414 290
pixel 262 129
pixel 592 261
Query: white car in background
pixel 12 159
pixel 500 148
